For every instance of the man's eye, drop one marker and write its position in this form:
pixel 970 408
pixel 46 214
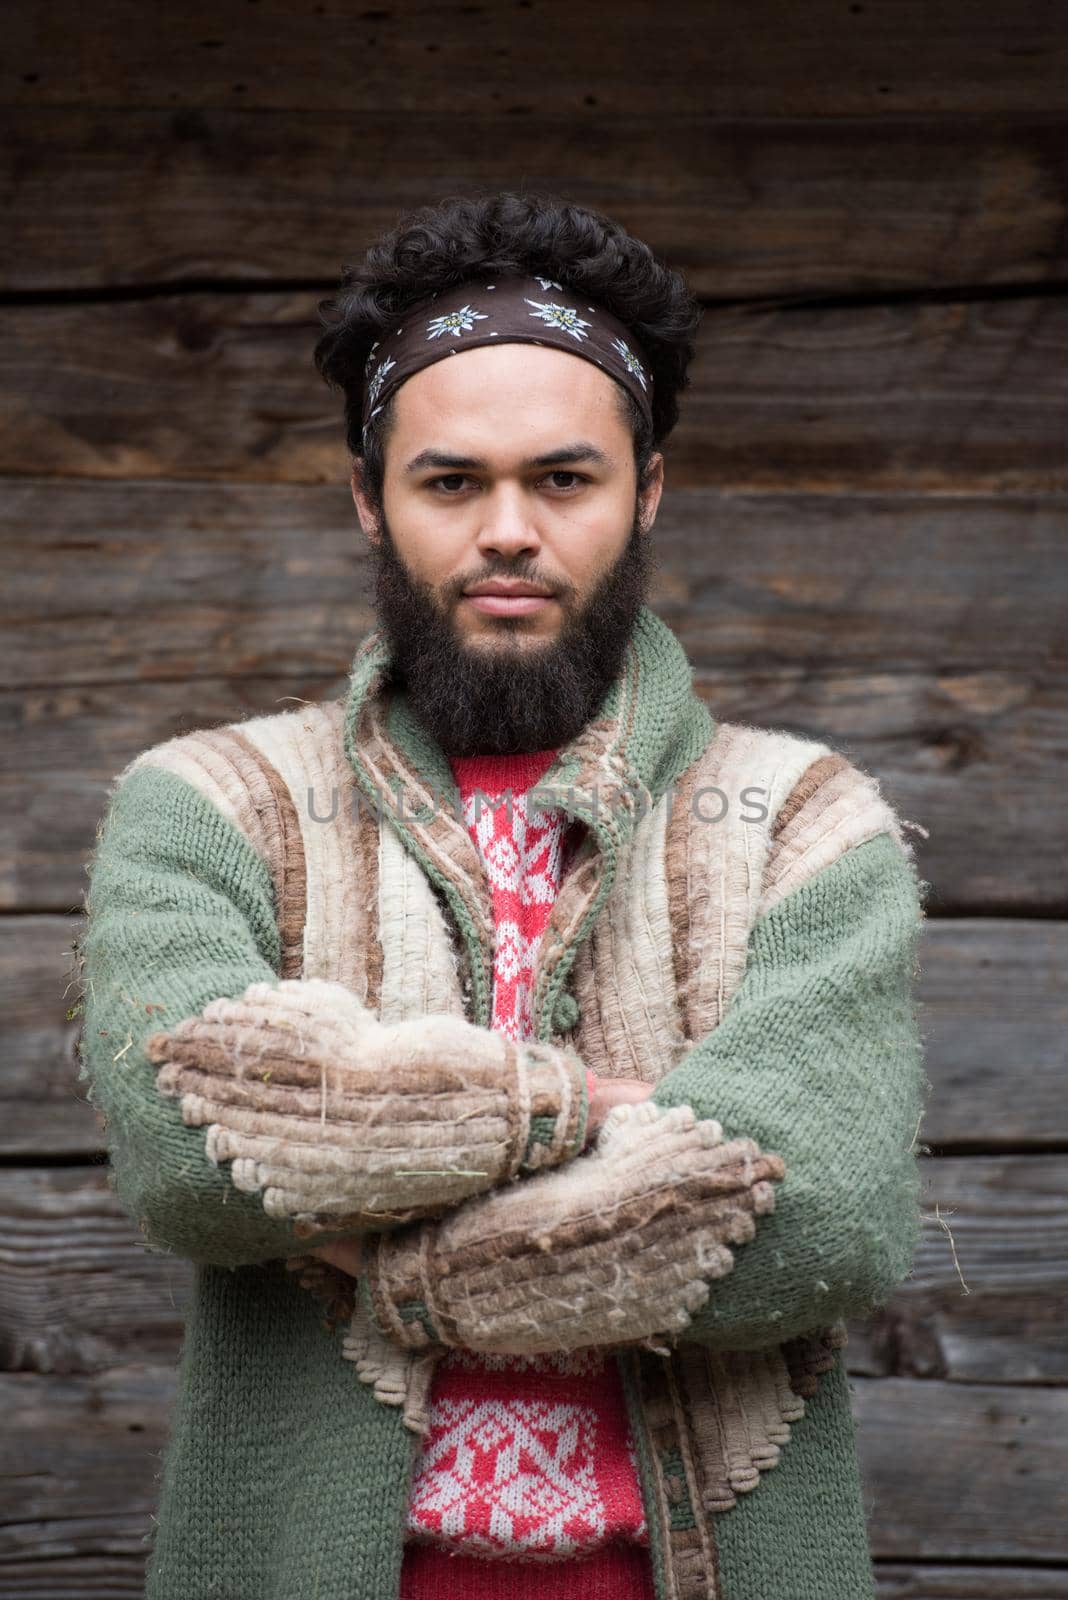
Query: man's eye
pixel 450 482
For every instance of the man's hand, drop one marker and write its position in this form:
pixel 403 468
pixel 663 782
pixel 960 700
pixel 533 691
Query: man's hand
pixel 608 1092
pixel 340 1120
pixel 347 1254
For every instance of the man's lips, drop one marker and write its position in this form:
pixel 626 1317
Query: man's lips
pixel 507 602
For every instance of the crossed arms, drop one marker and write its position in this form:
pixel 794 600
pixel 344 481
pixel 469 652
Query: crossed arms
pixel 246 1115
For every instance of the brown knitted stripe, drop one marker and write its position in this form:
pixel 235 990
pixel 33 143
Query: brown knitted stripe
pixel 603 770
pixel 677 868
pixel 703 1421
pixel 830 811
pixel 810 782
pixel 731 1386
pixel 697 1558
pixel 360 957
pixel 809 1355
pixel 569 910
pixel 295 1114
pixel 589 1038
pixel 444 837
pixel 733 1172
pixel 737 1407
pixel 690 1556
pixel 365 840
pixel 282 848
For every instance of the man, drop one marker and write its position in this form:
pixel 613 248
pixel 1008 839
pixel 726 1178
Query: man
pixel 526 1059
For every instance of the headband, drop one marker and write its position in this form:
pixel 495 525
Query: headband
pixel 511 310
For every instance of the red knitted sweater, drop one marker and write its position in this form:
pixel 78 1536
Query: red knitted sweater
pixel 529 1459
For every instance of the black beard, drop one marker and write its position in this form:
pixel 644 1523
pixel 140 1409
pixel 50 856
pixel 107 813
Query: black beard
pixel 507 698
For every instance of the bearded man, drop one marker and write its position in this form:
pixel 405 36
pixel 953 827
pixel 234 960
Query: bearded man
pixel 534 1121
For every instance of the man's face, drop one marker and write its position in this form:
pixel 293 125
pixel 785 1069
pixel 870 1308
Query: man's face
pixel 511 468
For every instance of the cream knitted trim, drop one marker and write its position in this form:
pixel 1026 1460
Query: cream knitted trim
pixel 624 979
pixel 833 807
pixel 717 846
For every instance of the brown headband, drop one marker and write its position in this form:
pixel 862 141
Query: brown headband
pixel 509 310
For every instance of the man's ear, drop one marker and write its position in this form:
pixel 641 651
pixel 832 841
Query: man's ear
pixel 651 490
pixel 364 509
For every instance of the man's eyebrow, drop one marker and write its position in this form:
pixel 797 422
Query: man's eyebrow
pixel 580 450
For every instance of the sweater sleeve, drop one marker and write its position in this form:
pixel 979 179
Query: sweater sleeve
pixel 244 1113
pixel 813 1078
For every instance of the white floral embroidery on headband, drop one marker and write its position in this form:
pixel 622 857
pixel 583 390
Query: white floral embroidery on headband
pixel 630 361
pixel 375 386
pixel 455 322
pixel 564 317
pixel 549 283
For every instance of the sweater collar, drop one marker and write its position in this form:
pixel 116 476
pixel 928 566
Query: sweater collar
pixel 649 727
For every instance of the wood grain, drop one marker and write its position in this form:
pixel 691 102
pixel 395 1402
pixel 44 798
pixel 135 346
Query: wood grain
pixel 777 206
pixel 550 59
pixel 947 398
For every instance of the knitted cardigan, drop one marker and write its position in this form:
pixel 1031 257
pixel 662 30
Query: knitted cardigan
pixel 287 964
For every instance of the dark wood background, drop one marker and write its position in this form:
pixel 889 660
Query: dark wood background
pixel 863 538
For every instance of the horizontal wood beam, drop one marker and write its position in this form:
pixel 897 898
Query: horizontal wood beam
pixel 957 398
pixel 871 203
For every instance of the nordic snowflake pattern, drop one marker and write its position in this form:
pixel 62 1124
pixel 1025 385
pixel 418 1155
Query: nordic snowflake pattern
pixel 521 848
pixel 526 1466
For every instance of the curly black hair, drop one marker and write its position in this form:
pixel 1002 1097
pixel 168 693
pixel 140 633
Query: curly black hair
pixel 532 233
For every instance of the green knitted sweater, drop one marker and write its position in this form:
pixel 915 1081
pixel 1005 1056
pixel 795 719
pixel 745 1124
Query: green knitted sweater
pixel 285 1475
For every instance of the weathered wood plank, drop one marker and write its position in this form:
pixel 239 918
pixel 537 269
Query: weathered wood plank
pixel 954 398
pixel 826 206
pixel 994 1017
pixel 1002 1316
pixel 994 1020
pixel 79 1291
pixel 245 579
pixel 80 1459
pixel 903 1581
pixel 868 60
pixel 44 1111
pixel 963 1472
pixel 987 1298
pixel 143 580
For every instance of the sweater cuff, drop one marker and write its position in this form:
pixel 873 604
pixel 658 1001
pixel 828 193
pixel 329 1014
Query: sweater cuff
pixel 558 1088
pixel 392 1288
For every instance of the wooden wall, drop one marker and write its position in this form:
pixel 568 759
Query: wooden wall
pixel 863 538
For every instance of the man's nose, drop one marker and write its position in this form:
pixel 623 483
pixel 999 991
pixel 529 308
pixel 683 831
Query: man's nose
pixel 509 526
